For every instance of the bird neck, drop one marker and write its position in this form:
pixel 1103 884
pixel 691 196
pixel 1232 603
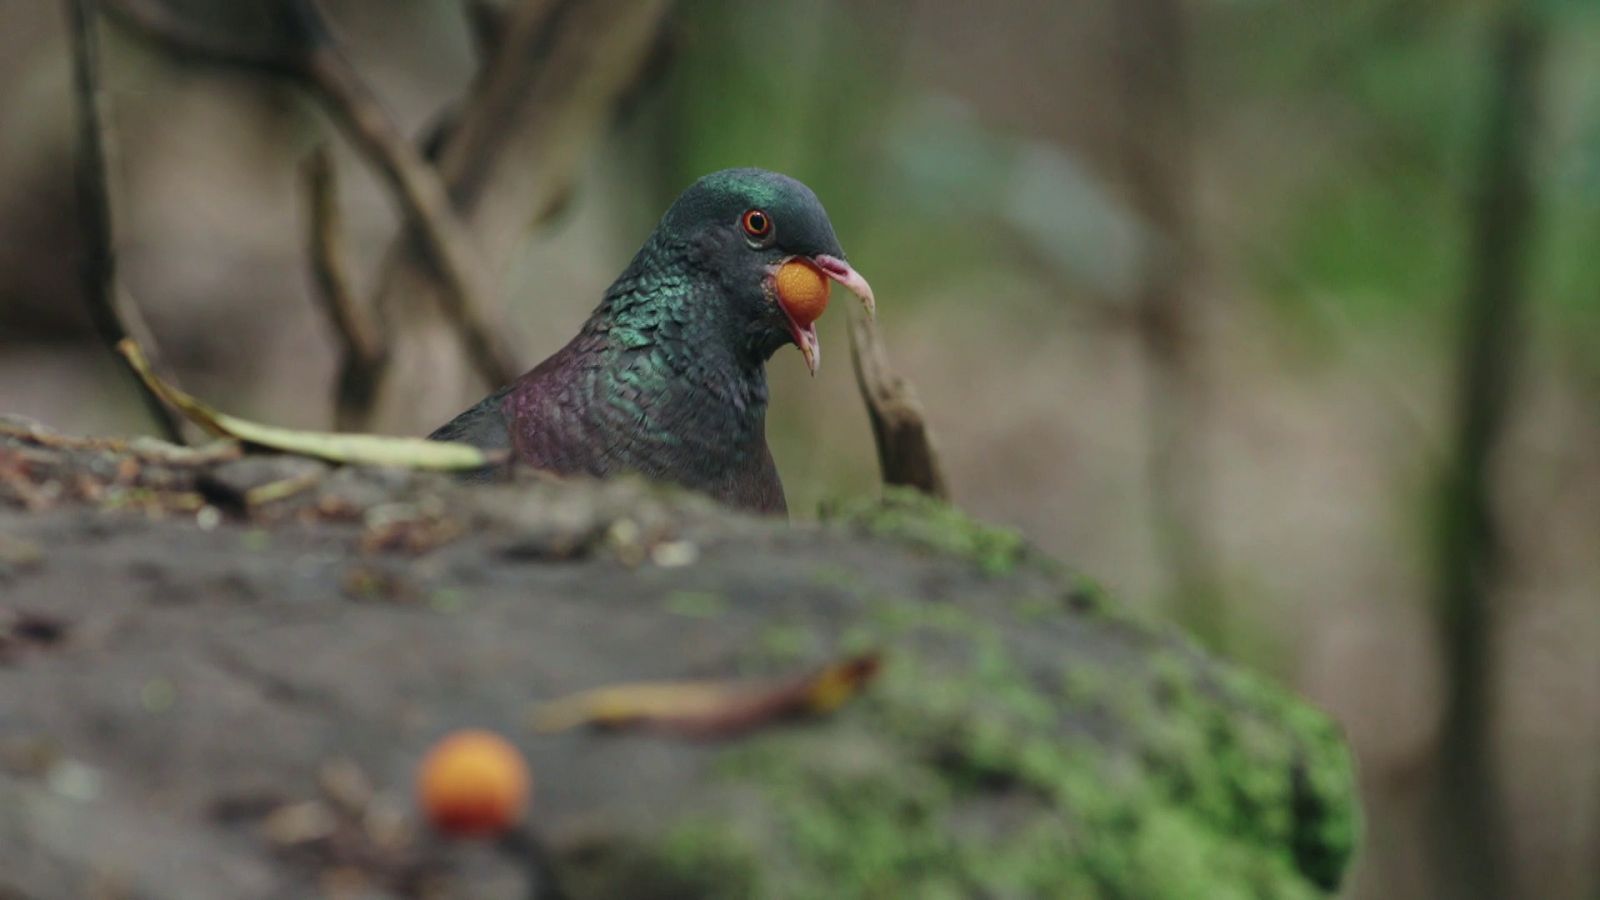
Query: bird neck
pixel 674 292
pixel 673 364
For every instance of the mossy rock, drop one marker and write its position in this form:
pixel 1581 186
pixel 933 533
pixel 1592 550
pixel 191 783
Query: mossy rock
pixel 1024 739
pixel 972 769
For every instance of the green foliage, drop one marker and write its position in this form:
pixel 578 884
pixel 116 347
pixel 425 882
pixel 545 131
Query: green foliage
pixel 1374 235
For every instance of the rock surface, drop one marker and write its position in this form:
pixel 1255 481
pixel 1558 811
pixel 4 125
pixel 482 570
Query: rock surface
pixel 218 673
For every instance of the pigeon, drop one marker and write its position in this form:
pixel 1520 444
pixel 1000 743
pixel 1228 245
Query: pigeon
pixel 667 377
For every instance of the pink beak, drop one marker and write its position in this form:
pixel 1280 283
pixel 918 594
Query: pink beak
pixel 840 271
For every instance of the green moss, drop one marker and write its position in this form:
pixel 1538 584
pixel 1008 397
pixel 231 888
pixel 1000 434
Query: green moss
pixel 1085 595
pixel 712 858
pixel 1075 594
pixel 694 858
pixel 1327 819
pixel 914 517
pixel 897 615
pixel 447 600
pixel 1248 760
pixel 787 643
pixel 696 604
pixel 1084 687
pixel 960 774
pixel 1036 608
pixel 256 540
pixel 834 577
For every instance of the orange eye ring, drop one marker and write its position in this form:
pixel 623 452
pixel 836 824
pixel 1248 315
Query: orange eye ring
pixel 756 223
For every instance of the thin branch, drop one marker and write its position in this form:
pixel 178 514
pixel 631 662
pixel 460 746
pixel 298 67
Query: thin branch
pixel 181 37
pixel 487 20
pixel 98 268
pixel 428 211
pixel 906 452
pixel 521 136
pixel 316 62
pixel 500 91
pixel 523 129
pixel 361 345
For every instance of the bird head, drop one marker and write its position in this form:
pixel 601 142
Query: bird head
pixel 767 241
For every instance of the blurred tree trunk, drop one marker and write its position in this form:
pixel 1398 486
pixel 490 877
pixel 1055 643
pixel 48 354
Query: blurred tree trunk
pixel 1157 152
pixel 1470 857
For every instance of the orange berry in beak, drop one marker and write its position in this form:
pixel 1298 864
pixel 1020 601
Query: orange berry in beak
pixel 803 291
pixel 473 784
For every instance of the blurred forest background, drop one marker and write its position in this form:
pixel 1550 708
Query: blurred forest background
pixel 1279 318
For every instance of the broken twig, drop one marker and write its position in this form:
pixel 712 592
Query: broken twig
pixel 108 310
pixel 906 454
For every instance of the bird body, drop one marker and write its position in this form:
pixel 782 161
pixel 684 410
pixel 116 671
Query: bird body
pixel 667 376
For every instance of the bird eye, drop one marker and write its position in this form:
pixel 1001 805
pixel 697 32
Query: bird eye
pixel 757 224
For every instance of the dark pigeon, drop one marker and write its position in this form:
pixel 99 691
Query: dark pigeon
pixel 667 377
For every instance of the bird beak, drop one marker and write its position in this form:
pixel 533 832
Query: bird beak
pixel 806 339
pixel 840 271
pixel 805 335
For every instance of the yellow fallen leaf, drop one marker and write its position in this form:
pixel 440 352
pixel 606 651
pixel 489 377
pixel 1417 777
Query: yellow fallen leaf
pixel 623 703
pixel 357 449
pixel 710 708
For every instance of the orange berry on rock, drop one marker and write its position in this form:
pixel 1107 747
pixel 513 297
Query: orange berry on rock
pixel 803 291
pixel 473 784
